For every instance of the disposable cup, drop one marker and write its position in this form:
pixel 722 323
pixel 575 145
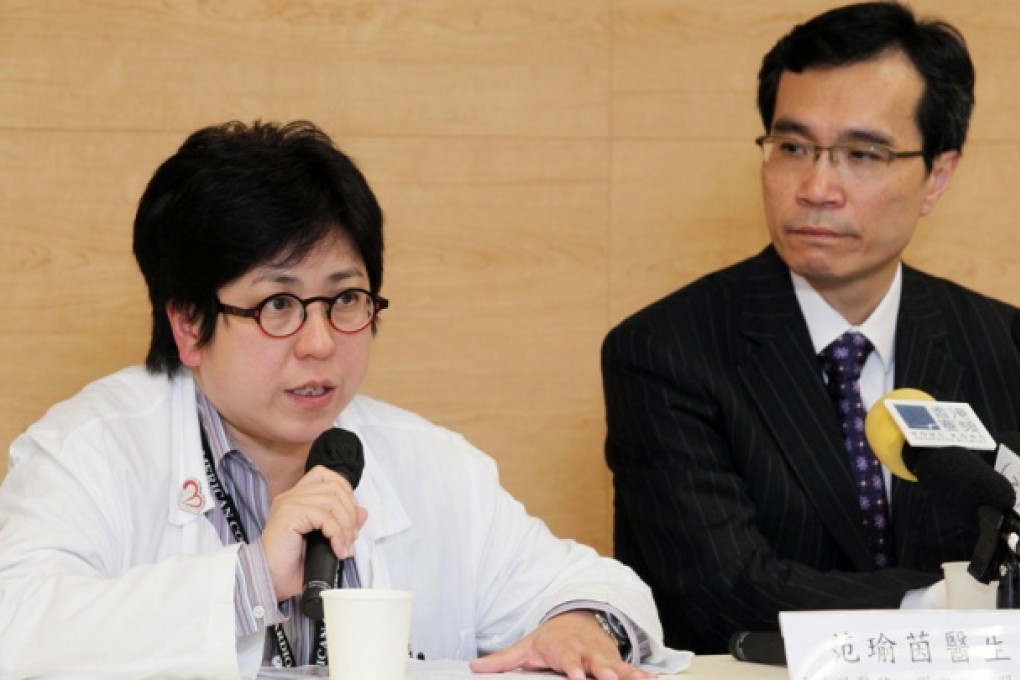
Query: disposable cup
pixel 963 591
pixel 367 632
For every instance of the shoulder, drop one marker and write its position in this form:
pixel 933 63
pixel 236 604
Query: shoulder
pixel 121 402
pixel 125 394
pixel 388 431
pixel 709 308
pixel 953 299
pixel 373 415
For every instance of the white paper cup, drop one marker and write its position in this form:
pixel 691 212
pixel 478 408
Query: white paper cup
pixel 367 632
pixel 963 591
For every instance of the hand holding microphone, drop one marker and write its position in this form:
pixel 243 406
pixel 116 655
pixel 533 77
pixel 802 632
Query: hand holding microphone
pixel 320 510
pixel 341 452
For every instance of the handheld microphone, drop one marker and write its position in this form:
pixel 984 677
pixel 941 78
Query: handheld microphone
pixel 758 647
pixel 340 451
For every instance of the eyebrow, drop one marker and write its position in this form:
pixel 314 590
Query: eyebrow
pixel 282 277
pixel 788 126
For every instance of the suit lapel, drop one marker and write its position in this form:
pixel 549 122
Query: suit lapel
pixel 783 378
pixel 922 362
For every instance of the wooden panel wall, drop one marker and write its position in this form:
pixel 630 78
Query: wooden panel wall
pixel 546 168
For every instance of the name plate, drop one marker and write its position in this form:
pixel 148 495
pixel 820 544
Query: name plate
pixel 902 644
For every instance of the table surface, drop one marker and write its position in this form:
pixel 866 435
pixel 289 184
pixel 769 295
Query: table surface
pixel 725 666
pixel 717 667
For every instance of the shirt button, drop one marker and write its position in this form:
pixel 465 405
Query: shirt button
pixel 259 612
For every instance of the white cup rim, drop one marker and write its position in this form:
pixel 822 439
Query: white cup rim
pixel 367 594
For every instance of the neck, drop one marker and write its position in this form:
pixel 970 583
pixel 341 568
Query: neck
pixel 281 469
pixel 855 311
pixel 855 301
pixel 282 472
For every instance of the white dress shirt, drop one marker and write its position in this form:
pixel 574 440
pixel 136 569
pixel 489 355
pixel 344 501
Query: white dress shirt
pixel 825 324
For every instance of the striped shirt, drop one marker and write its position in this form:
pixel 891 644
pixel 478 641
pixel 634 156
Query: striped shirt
pixel 255 605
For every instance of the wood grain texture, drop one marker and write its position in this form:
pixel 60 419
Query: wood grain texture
pixel 364 67
pixel 546 169
pixel 494 300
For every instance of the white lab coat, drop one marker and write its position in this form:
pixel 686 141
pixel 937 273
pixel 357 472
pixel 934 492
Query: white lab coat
pixel 108 567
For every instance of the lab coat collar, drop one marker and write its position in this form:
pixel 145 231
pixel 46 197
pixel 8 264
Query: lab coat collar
pixel 189 494
pixel 386 514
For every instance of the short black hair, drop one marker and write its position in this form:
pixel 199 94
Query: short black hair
pixel 855 33
pixel 237 196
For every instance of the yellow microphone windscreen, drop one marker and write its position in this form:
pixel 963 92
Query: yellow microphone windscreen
pixel 884 435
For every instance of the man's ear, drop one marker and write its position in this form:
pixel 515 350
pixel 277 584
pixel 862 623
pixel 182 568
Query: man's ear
pixel 186 327
pixel 942 170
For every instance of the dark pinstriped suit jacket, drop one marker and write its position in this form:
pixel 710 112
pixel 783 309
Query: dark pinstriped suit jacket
pixel 734 500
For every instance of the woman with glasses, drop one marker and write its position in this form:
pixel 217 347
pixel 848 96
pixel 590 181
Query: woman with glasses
pixel 155 524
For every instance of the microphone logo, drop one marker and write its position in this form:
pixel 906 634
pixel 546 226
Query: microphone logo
pixel 884 436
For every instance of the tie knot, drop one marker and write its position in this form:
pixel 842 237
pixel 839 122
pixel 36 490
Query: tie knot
pixel 844 357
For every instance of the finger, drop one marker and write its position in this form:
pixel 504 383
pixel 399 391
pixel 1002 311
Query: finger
pixel 333 490
pixel 341 531
pixel 504 660
pixel 291 519
pixel 572 665
pixel 625 671
pixel 327 491
pixel 343 541
pixel 323 473
pixel 605 669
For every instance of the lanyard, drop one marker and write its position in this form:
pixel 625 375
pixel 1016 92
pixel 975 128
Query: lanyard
pixel 233 519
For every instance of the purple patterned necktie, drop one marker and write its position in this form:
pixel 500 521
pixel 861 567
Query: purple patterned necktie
pixel 842 362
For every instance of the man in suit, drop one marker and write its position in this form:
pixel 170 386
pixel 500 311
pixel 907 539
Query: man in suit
pixel 736 495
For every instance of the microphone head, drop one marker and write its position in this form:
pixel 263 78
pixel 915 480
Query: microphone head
pixel 758 647
pixel 339 450
pixel 884 435
pixel 960 478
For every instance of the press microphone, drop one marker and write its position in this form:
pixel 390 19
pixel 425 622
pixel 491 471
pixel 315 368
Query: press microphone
pixel 966 483
pixel 340 451
pixel 758 647
pixel 961 480
pixel 883 435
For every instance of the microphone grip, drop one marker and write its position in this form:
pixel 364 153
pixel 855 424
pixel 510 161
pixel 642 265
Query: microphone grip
pixel 341 451
pixel 320 573
pixel 758 647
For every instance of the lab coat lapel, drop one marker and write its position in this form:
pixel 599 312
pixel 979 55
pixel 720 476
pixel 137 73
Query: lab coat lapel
pixel 386 517
pixel 189 495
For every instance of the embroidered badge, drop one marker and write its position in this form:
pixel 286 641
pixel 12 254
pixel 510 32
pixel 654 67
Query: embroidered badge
pixel 191 496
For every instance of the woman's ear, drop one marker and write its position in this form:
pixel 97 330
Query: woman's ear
pixel 187 330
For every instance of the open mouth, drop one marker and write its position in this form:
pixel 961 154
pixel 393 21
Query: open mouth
pixel 310 391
